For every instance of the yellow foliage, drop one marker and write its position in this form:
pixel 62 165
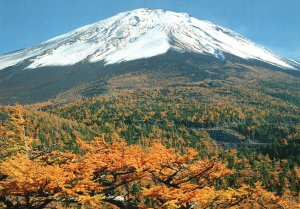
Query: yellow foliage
pixel 106 173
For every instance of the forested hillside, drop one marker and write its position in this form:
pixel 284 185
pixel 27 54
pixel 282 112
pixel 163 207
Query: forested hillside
pixel 204 144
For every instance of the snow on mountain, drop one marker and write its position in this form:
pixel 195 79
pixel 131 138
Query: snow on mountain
pixel 139 34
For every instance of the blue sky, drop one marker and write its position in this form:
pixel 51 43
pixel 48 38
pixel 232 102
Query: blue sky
pixel 274 24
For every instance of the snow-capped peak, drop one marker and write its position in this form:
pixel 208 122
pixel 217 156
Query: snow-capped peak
pixel 139 34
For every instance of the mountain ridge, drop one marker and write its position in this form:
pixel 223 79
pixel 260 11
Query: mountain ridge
pixel 141 33
pixel 148 56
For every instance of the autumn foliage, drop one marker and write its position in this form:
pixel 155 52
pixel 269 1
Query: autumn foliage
pixel 109 173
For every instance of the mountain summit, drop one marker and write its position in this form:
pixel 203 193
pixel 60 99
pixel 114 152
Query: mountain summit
pixel 137 34
pixel 138 49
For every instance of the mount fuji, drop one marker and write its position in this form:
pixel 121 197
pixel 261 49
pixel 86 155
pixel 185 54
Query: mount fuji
pixel 137 34
pixel 130 41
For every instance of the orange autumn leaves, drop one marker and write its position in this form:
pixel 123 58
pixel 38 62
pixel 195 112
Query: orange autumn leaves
pixel 26 177
pixel 112 174
pixel 105 173
pixel 104 170
pixel 117 167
